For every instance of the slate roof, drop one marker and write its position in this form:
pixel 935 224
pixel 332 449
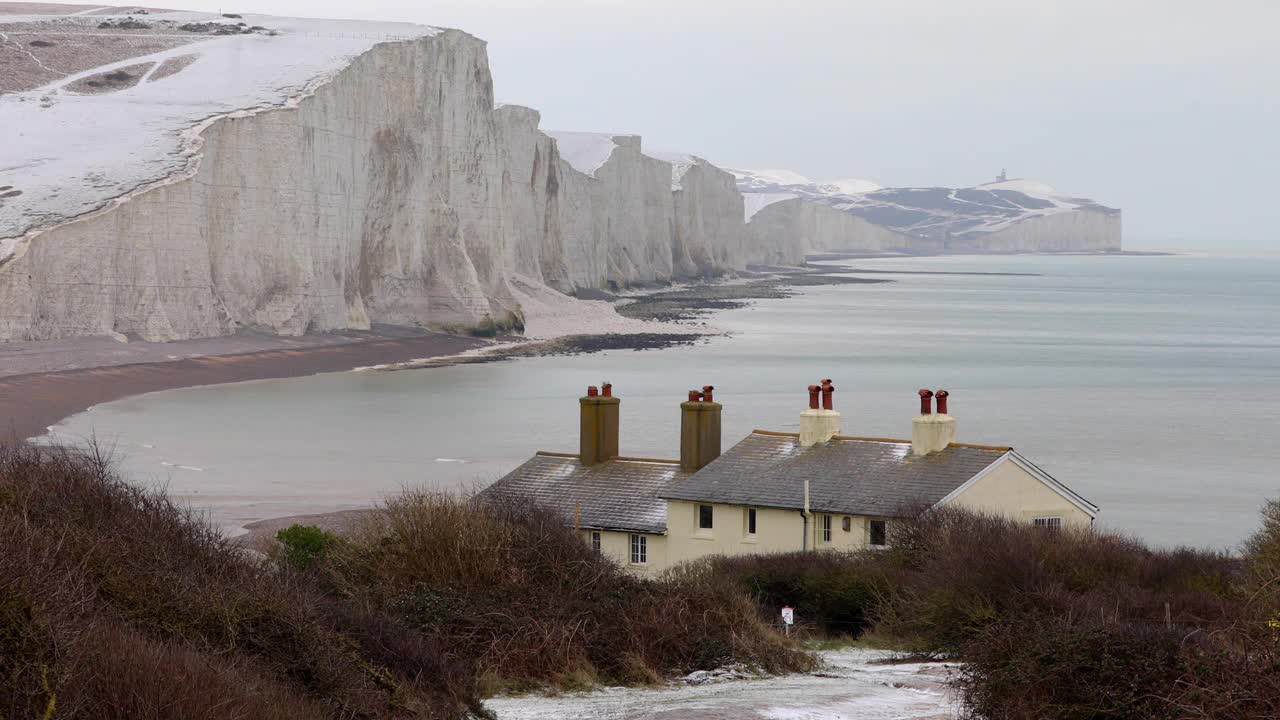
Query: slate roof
pixel 846 475
pixel 621 494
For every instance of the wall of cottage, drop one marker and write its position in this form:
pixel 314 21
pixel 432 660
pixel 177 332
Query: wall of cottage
pixel 1013 492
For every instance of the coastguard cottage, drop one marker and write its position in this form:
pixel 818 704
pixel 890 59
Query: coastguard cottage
pixel 775 491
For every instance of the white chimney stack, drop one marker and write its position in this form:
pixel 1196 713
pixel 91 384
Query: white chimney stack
pixel 932 432
pixel 819 424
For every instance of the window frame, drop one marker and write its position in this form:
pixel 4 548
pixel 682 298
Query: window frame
pixel 710 518
pixel 826 528
pixel 639 554
pixel 871 533
pixel 751 522
pixel 595 540
pixel 1048 522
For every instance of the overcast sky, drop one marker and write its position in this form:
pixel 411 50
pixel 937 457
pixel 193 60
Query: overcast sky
pixel 1169 110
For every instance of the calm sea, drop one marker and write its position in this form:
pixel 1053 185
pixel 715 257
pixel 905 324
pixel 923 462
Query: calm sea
pixel 1151 385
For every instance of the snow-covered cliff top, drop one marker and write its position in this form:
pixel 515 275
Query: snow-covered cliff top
pixel 586 152
pixel 754 202
pixel 86 121
pixel 680 164
pixel 941 213
pixel 934 212
pixel 785 180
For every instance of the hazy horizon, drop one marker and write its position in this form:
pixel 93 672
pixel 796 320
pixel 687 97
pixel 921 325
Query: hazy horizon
pixel 1164 109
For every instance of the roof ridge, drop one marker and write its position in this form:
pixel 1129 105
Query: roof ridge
pixel 624 458
pixel 621 458
pixel 895 441
pixel 775 433
pixel 1001 448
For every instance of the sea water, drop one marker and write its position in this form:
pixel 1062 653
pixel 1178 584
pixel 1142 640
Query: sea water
pixel 1150 385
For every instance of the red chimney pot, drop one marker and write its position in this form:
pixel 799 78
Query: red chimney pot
pixel 706 393
pixel 592 391
pixel 695 396
pixel 606 390
pixel 813 396
pixel 827 391
pixel 942 401
pixel 926 407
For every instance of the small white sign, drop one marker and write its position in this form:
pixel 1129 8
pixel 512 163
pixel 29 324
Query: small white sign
pixel 789 615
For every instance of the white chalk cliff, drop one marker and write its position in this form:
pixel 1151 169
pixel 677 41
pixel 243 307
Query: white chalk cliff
pixel 1003 216
pixel 299 176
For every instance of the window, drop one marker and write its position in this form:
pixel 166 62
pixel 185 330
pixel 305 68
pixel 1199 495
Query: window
pixel 595 540
pixel 1053 523
pixel 879 533
pixel 826 528
pixel 704 517
pixel 639 549
pixel 751 521
pixel 846 523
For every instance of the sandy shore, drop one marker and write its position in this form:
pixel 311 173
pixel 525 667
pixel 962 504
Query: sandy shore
pixel 31 402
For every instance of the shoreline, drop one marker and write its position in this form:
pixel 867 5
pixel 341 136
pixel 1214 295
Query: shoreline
pixel 31 403
pixel 43 383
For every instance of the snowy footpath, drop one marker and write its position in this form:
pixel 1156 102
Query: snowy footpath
pixel 851 686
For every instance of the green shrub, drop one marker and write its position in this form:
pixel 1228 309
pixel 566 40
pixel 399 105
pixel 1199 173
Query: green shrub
pixel 304 544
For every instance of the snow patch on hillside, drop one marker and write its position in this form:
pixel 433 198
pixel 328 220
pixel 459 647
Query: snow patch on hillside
pixel 70 154
pixel 849 186
pixel 753 203
pixel 586 152
pixel 770 177
pixel 680 164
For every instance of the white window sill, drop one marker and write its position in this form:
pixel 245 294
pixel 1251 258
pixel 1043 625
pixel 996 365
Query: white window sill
pixel 703 536
pixel 750 540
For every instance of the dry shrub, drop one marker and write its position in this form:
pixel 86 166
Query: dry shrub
pixel 833 593
pixel 1066 623
pixel 957 572
pixel 1051 667
pixel 518 599
pixel 116 603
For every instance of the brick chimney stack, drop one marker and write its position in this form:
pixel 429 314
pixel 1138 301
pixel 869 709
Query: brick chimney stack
pixel 598 430
pixel 699 429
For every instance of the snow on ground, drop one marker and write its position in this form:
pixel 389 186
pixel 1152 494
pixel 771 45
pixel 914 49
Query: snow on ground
pixel 1031 188
pixel 70 154
pixel 549 314
pixel 754 202
pixel 680 164
pixel 849 687
pixel 754 180
pixel 587 152
pixel 849 186
pixel 931 212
